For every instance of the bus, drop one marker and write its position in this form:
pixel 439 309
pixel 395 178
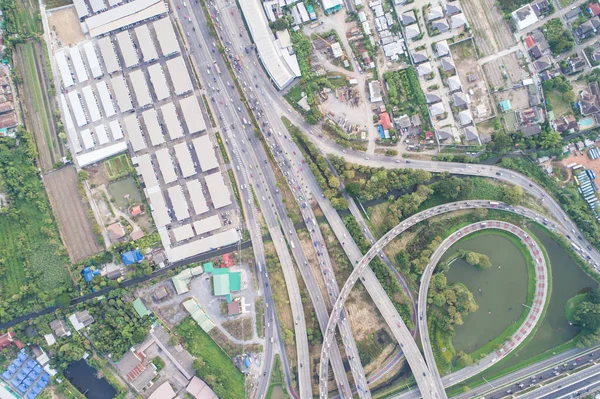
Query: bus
pixel 292 244
pixel 217 68
pixel 577 167
pixel 576 247
pixel 494 204
pixel 591 174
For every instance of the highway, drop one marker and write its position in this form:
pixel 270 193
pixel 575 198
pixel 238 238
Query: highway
pixel 577 383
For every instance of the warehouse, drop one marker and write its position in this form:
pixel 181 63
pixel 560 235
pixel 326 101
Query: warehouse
pixel 165 164
pixel 209 224
pixel 146 44
pixel 109 56
pixel 184 159
pixel 88 140
pixel 146 169
pixel 63 68
pixel 196 247
pixel 116 130
pixel 92 103
pixel 159 209
pixel 218 190
pixel 197 196
pixel 92 57
pixel 73 138
pixel 75 101
pixel 157 78
pixel 81 8
pixel 166 37
pixel 192 114
pixel 172 121
pixel 178 202
pixel 97 6
pixel 179 76
pixel 122 93
pixel 127 49
pixel 123 16
pixel 106 99
pixel 134 133
pixel 78 64
pixel 206 153
pixel 183 233
pixel 95 156
pixel 153 127
pixel 140 87
pixel 101 135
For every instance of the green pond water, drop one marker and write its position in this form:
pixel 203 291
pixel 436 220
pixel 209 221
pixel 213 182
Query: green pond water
pixel 120 188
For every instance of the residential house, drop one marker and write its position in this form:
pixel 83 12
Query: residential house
pixel 424 69
pixel 336 50
pixel 588 28
pixel 540 39
pixel 375 91
pixel 589 101
pixel 199 390
pixel 593 9
pixel 528 115
pixel 453 84
pixel 442 49
pixel 535 52
pixel 546 75
pixel 403 123
pixel 165 391
pixel 139 371
pixel 540 7
pixel 445 134
pixel 452 8
pixel 564 124
pixel 412 31
pixel 460 100
pixel 59 327
pixel 465 117
pixel 472 77
pixel 116 231
pixel 542 64
pixel 448 65
pixel 458 20
pixel 574 65
pixel 435 12
pixel 419 56
pixel 415 128
pixel 440 25
pixel 436 109
pixel 530 130
pixel 160 293
pixel 432 98
pixel 524 17
pixel 480 111
pixel 233 308
pixel 384 121
pixel 470 133
pixel 81 320
pixel 408 18
pixel 572 14
pixel 6 339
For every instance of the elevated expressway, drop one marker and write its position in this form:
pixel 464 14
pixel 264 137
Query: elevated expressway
pixel 428 385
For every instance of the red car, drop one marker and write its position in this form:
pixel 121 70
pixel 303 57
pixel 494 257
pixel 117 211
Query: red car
pixel 294 152
pixel 178 6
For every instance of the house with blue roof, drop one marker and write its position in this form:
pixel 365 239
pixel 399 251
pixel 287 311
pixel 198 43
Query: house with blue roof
pixel 131 257
pixel 25 376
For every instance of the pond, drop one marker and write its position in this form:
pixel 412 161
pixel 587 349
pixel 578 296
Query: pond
pixel 277 393
pixel 119 189
pixel 83 377
pixel 490 287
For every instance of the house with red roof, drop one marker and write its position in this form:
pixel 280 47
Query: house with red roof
pixel 384 121
pixel 227 261
pixel 6 340
pixel 594 9
pixel 529 41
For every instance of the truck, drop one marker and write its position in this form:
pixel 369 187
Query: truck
pixel 217 67
pixel 292 244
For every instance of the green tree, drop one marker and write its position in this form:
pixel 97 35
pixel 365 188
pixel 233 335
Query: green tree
pixel 513 195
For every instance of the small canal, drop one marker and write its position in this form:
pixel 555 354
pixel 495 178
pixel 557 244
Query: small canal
pixel 84 378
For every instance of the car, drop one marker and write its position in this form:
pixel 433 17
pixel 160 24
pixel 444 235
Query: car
pixel 178 6
pixel 220 101
pixel 294 152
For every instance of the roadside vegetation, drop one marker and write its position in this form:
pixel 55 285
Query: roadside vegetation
pixel 584 310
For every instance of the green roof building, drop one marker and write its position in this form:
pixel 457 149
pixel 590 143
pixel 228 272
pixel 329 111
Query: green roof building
pixel 182 280
pixel 235 281
pixel 505 106
pixel 140 308
pixel 198 314
pixel 221 284
pixel 225 281
pixel 208 267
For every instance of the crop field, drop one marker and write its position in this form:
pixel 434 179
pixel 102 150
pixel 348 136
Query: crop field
pixel 490 30
pixel 118 166
pixel 72 212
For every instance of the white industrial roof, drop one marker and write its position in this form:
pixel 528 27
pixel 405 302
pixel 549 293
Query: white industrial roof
pixel 178 202
pixel 75 101
pixel 179 75
pixel 206 153
pixel 204 245
pixel 140 87
pixel 277 67
pixel 81 8
pixel 92 57
pixel 184 159
pixel 183 232
pixel 303 12
pixel 113 3
pixel 97 5
pixel 146 43
pixel 157 78
pixel 165 164
pixel 125 15
pixel 159 209
pixel 109 57
pixel 218 190
pixel 146 169
pixel 105 99
pixel 172 121
pixel 166 36
pixel 92 103
pixel 78 64
pixel 115 130
pixel 122 93
pixel 88 139
pixel 128 51
pixel 103 153
pixel 134 133
pixel 63 68
pixel 192 114
pixel 197 196
pixel 101 134
pixel 153 127
pixel 209 224
pixel 73 138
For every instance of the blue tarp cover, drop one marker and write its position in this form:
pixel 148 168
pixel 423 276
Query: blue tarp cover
pixel 132 257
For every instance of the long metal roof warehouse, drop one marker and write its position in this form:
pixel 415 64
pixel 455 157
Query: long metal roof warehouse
pixel 196 247
pixel 116 130
pixel 105 99
pixel 209 224
pixel 97 5
pixel 146 169
pixel 165 164
pixel 184 159
pixel 73 137
pixel 157 77
pixel 87 138
pixel 172 121
pixel 183 232
pixel 78 64
pixel 103 153
pixel 146 43
pixel 125 15
pixel 218 190
pixel 282 69
pixel 128 51
pixel 179 204
pixel 75 101
pixel 192 114
pixel 81 8
pixel 206 153
pixel 101 134
pixel 92 103
pixel 153 127
pixel 134 133
pixel 63 68
pixel 197 196
pixel 122 93
pixel 179 75
pixel 140 87
pixel 166 36
pixel 159 209
pixel 107 50
pixel 92 57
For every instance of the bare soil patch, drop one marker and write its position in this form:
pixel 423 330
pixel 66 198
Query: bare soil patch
pixel 583 160
pixel 65 26
pixel 72 211
pixel 240 328
pixel 519 98
pixel 364 316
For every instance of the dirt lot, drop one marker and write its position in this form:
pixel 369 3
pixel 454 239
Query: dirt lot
pixel 65 26
pixel 72 212
pixel 519 98
pixel 583 160
pixel 364 317
pixel 493 71
pixel 491 31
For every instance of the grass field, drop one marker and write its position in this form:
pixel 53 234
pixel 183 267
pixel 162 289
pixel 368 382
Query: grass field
pixel 118 166
pixel 57 3
pixel 559 107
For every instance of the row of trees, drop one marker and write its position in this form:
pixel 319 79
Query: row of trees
pixel 481 261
